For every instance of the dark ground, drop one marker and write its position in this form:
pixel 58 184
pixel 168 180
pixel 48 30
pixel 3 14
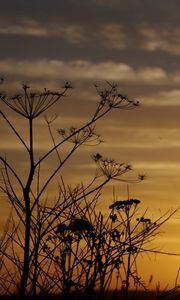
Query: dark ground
pixel 111 296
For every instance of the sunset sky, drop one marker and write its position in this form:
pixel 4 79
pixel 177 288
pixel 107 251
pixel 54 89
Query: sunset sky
pixel 135 44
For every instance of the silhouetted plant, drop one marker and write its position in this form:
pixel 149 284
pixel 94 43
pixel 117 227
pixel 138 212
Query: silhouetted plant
pixel 67 246
pixel 28 233
pixel 87 250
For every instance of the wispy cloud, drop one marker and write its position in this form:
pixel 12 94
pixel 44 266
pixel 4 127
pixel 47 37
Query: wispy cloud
pixel 157 138
pixel 83 69
pixel 171 166
pixel 163 98
pixel 29 27
pixel 114 35
pixel 106 35
pixel 110 35
pixel 165 38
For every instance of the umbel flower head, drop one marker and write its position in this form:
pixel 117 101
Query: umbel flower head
pixel 109 167
pixel 31 104
pixel 121 204
pixel 80 225
pixel 113 170
pixel 75 225
pixel 86 136
pixel 110 97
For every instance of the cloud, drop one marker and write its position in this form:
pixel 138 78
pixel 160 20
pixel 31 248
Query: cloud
pixel 155 165
pixel 114 35
pixel 77 69
pixel 106 35
pixel 165 38
pixel 82 70
pixel 152 74
pixel 141 137
pixel 163 98
pixel 29 27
